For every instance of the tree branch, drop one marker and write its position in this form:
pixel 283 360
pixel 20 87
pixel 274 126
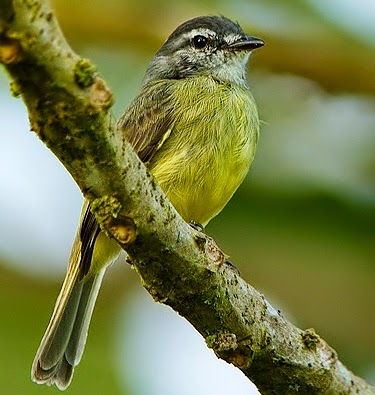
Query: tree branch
pixel 68 107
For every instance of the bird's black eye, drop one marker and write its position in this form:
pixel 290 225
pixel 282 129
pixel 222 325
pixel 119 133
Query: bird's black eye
pixel 200 42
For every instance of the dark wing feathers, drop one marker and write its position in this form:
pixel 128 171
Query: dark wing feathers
pixel 88 233
pixel 148 120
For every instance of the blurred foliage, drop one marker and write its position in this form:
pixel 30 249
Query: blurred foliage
pixel 301 229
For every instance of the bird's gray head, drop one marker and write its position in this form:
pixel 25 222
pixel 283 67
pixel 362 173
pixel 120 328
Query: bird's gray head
pixel 207 45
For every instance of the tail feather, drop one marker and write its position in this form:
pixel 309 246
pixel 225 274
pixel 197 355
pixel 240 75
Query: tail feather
pixel 63 375
pixel 86 306
pixel 62 346
pixel 57 338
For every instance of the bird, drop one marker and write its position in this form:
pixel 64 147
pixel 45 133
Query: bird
pixel 195 125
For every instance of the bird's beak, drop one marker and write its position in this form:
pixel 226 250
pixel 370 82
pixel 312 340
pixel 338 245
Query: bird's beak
pixel 246 43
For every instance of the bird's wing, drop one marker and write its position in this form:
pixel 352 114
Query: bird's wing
pixel 147 123
pixel 88 233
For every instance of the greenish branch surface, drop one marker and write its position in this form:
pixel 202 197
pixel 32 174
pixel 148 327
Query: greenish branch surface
pixel 69 109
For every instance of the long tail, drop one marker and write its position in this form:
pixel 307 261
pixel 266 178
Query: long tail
pixel 63 343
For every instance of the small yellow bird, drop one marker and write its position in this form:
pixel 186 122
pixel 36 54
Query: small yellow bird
pixel 195 125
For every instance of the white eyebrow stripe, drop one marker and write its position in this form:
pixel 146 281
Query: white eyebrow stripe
pixel 232 38
pixel 201 31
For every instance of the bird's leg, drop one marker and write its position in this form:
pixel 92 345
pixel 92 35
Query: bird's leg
pixel 197 226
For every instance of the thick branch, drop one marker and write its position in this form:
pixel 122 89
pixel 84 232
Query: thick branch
pixel 68 107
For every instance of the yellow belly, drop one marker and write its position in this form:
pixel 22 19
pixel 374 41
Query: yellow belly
pixel 210 149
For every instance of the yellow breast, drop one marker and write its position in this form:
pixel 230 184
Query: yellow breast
pixel 210 148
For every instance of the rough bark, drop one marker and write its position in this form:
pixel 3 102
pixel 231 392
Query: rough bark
pixel 69 109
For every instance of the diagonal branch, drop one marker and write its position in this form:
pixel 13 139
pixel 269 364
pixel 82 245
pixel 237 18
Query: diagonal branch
pixel 69 109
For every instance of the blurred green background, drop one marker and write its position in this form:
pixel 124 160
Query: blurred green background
pixel 300 229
